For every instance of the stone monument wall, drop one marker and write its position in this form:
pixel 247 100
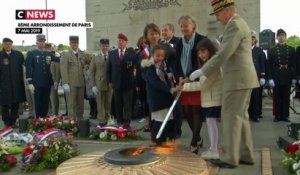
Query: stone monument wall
pixel 130 17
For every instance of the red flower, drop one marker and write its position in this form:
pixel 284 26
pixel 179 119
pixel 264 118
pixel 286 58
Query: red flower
pixel 27 151
pixel 12 161
pixel 48 123
pixel 293 148
pixel 121 135
pixel 133 133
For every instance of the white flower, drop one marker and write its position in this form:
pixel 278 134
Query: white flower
pixel 72 122
pixel 298 172
pixel 113 137
pixel 295 166
pixel 102 135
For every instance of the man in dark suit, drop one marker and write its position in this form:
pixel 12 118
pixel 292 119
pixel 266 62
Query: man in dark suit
pixel 168 32
pixel 120 67
pixel 259 59
pixel 12 89
pixel 282 65
pixel 39 76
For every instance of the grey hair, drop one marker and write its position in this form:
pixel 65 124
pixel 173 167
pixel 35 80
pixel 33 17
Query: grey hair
pixel 171 26
pixel 188 18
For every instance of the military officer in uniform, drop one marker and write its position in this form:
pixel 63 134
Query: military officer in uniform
pixel 71 67
pixel 99 81
pixel 55 72
pixel 120 77
pixel 259 59
pixel 39 76
pixel 12 90
pixel 282 64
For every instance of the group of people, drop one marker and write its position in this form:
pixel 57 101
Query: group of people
pixel 215 79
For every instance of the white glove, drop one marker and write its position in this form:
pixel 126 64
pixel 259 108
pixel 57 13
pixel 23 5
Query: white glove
pixel 294 82
pixel 95 90
pixel 31 87
pixel 170 75
pixel 271 83
pixel 55 85
pixel 196 74
pixel 262 81
pixel 66 87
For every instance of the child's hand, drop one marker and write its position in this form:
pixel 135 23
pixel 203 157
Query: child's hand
pixel 183 80
pixel 179 88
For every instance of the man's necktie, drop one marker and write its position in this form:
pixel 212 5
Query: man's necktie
pixel 105 57
pixel 121 55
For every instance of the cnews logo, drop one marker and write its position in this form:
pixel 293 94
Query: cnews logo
pixel 35 14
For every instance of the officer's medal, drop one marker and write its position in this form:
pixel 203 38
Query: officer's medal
pixel 5 61
pixel 37 58
pixel 129 64
pixel 48 59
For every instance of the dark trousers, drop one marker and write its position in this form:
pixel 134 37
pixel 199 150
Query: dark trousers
pixel 255 106
pixel 93 107
pixel 123 105
pixel 42 98
pixel 282 101
pixel 168 132
pixel 177 113
pixel 10 113
pixel 65 97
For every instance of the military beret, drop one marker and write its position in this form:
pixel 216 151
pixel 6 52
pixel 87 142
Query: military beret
pixel 122 36
pixel 74 38
pixel 280 31
pixel 40 37
pixel 104 41
pixel 6 40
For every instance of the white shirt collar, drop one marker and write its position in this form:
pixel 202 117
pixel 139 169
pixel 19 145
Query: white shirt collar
pixel 123 50
pixel 74 51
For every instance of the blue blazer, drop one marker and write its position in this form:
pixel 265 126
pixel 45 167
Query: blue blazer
pixel 120 74
pixel 38 69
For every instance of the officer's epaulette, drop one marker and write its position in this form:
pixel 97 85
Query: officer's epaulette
pixel 273 47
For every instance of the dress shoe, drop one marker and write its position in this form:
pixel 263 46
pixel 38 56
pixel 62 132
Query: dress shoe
pixel 194 149
pixel 146 129
pixel 93 117
pixel 178 136
pixel 210 154
pixel 276 119
pixel 222 164
pixel 246 162
pixel 200 143
pixel 285 120
pixel 256 120
pixel 15 126
pixel 260 116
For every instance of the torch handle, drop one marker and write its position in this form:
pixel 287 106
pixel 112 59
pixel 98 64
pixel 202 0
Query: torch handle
pixel 168 116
